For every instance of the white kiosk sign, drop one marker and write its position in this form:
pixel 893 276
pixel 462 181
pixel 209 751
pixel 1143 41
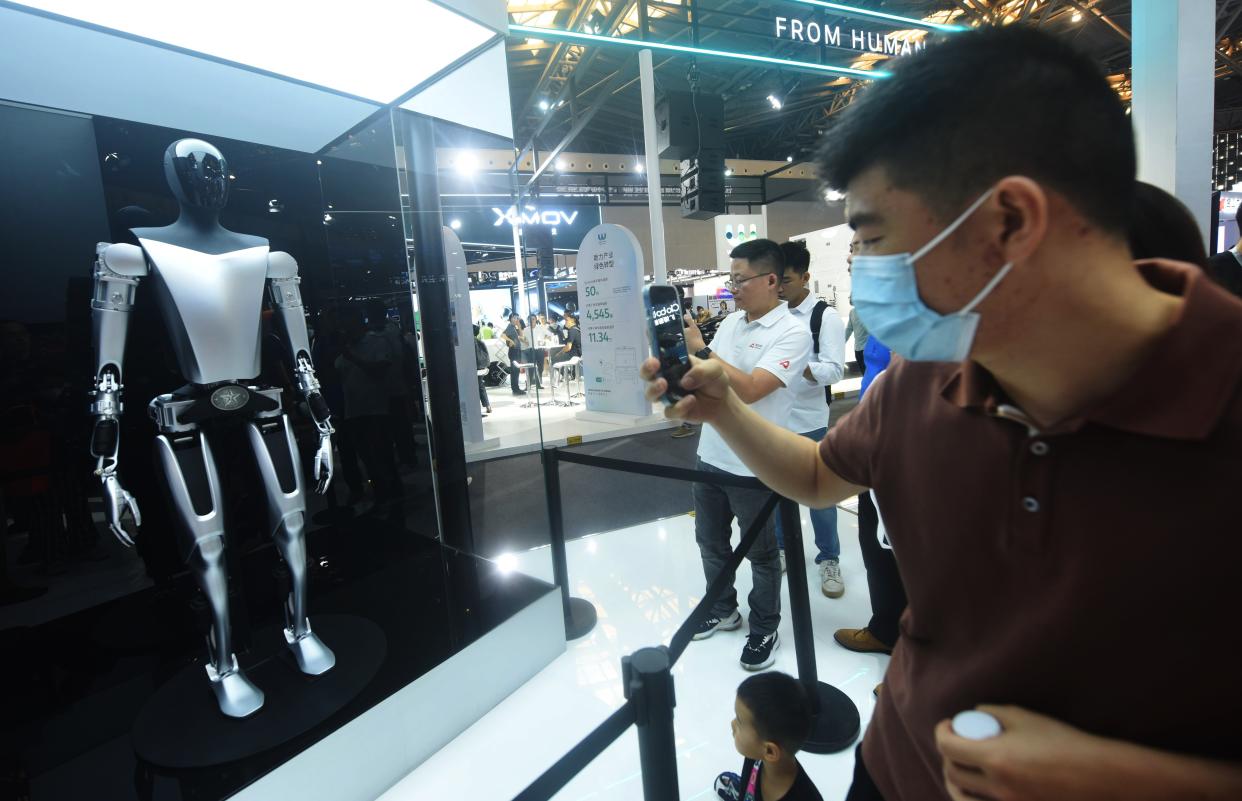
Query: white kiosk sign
pixel 610 309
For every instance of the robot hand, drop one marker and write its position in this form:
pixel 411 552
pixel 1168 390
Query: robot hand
pixel 323 464
pixel 117 501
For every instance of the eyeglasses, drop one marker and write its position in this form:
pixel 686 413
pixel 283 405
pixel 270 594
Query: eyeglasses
pixel 734 286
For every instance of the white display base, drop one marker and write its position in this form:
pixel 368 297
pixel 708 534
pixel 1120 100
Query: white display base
pixel 485 444
pixel 619 419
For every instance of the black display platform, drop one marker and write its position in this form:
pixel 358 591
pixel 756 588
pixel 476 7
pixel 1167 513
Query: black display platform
pixel 182 727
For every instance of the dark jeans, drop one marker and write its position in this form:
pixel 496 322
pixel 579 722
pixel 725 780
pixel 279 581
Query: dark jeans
pixel 535 356
pixel 863 788
pixel 858 357
pixel 483 394
pixel 515 356
pixel 888 595
pixel 714 510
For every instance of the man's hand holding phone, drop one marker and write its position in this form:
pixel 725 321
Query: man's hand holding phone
pixel 707 382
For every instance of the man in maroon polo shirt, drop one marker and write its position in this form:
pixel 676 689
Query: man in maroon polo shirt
pixel 1064 523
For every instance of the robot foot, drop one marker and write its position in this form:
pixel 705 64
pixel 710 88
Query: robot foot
pixel 312 655
pixel 236 695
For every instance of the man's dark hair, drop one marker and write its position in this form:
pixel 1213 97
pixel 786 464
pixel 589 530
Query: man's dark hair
pixel 797 257
pixel 778 703
pixel 1163 228
pixel 763 255
pixel 981 105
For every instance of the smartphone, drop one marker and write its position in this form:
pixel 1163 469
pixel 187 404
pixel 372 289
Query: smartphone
pixel 668 337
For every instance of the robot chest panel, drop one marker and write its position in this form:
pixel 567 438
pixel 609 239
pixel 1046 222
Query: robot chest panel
pixel 213 307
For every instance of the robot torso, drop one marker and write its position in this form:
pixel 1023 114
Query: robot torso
pixel 212 306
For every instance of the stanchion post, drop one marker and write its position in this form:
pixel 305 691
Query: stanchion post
pixel 580 615
pixel 648 681
pixel 836 724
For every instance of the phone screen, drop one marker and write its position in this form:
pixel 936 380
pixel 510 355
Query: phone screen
pixel 668 337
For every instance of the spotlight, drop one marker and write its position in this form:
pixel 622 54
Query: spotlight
pixel 466 163
pixel 1076 17
pixel 455 225
pixel 543 105
pixel 638 167
pixel 506 563
pixel 728 172
pixel 789 159
pixel 560 164
pixel 832 195
pixel 775 101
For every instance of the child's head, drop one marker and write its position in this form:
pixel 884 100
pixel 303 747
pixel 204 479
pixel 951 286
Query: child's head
pixel 772 717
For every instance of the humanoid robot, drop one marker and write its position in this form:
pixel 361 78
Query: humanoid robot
pixel 209 283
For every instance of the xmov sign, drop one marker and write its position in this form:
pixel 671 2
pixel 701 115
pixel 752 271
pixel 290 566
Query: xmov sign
pixel 529 215
pixel 814 32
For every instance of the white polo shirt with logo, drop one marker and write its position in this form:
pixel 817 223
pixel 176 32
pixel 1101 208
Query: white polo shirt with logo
pixel 776 342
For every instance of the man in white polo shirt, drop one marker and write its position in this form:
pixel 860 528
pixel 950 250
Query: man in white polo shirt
pixel 763 349
pixel 809 416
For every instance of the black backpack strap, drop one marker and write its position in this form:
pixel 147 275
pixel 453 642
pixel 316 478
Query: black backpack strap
pixel 817 320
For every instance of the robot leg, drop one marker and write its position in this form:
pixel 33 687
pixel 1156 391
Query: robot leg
pixel 276 453
pixel 194 487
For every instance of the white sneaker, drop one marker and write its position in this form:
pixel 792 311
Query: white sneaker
pixel 830 580
pixel 782 553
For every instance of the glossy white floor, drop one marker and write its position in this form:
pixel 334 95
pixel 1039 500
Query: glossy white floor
pixel 644 581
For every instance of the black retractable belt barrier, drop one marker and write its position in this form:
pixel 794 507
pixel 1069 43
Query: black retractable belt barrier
pixel 646 674
pixel 581 755
pixel 580 615
pixel 835 725
pixel 720 479
pixel 649 684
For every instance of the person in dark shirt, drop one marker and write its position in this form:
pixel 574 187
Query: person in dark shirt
pixel 573 341
pixel 512 336
pixel 771 721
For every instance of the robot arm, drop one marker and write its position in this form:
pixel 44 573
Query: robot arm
pixel 118 268
pixel 283 285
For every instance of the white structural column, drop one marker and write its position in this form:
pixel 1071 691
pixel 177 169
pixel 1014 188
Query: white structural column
pixel 655 197
pixel 1173 81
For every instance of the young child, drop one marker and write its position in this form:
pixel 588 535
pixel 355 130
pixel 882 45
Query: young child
pixel 771 721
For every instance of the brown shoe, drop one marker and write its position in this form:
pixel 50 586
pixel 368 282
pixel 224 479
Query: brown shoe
pixel 876 691
pixel 860 640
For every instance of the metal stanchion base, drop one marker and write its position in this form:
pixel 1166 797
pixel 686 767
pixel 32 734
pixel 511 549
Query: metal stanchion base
pixel 581 619
pixel 837 726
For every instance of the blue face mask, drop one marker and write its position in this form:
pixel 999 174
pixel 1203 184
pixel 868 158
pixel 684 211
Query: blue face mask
pixel 886 294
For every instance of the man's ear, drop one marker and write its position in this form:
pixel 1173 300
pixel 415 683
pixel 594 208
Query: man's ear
pixel 1023 219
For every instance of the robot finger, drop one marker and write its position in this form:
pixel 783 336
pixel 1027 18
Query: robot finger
pixel 122 535
pixel 132 503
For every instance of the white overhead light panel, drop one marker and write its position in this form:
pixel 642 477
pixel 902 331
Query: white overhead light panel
pixel 378 51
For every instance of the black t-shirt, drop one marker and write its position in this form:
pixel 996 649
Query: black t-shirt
pixel 516 338
pixel 573 336
pixel 803 788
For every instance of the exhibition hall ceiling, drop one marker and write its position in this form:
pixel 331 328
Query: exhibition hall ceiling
pixel 290 75
pixel 774 111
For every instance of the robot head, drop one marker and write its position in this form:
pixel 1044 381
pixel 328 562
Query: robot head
pixel 197 174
